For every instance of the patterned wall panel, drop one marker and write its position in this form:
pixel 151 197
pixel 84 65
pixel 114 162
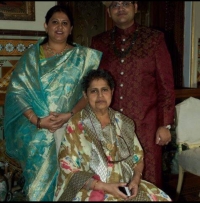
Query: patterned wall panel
pixel 11 49
pixel 89 20
pixel 14 47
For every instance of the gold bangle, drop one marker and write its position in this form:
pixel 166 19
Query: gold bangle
pixel 95 185
pixel 40 124
pixel 29 114
pixel 31 117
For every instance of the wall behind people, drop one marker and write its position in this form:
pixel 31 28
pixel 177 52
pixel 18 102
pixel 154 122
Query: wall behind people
pixel 83 33
pixel 188 72
pixel 90 18
pixel 41 8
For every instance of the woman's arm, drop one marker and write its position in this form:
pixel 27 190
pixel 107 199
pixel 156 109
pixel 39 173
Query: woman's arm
pixel 31 116
pixel 138 172
pixel 49 122
pixel 134 184
pixel 79 106
pixel 55 120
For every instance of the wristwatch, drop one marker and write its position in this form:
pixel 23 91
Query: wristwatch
pixel 168 127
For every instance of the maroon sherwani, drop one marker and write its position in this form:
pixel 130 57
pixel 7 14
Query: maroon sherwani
pixel 144 85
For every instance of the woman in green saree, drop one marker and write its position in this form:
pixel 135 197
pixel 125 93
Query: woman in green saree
pixel 100 151
pixel 44 92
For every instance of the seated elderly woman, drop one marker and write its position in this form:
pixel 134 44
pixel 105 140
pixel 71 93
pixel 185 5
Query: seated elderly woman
pixel 100 152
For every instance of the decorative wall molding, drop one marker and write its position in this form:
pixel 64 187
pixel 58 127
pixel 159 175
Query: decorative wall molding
pixel 15 47
pixel 21 33
pixel 11 49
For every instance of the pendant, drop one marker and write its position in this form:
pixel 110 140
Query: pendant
pixel 110 146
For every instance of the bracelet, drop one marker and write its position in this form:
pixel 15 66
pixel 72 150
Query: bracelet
pixel 72 113
pixel 88 184
pixel 31 117
pixel 38 123
pixel 29 114
pixel 95 185
pixel 168 127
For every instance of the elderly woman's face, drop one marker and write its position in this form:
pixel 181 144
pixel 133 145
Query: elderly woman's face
pixel 99 95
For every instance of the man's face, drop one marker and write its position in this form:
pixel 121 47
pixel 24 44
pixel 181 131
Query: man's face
pixel 122 13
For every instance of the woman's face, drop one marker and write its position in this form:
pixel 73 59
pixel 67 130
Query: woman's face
pixel 99 95
pixel 58 27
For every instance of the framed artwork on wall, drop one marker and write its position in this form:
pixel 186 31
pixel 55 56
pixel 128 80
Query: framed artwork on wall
pixel 17 10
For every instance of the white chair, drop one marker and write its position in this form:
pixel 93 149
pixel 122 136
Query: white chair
pixel 188 138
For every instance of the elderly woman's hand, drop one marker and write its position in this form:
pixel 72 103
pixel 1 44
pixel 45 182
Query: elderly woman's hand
pixel 133 187
pixel 112 188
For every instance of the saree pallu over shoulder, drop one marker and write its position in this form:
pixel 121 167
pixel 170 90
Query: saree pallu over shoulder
pixel 43 85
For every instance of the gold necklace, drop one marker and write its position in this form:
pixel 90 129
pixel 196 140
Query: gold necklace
pixel 50 50
pixel 109 146
pixel 108 143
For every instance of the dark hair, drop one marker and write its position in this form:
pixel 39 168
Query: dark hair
pixel 55 9
pixel 59 8
pixel 97 74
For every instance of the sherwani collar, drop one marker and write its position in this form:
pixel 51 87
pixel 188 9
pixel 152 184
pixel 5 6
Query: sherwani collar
pixel 126 31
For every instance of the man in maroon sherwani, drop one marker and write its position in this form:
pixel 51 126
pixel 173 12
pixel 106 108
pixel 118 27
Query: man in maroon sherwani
pixel 140 63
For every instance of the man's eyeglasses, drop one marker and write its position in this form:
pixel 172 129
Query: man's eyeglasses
pixel 124 4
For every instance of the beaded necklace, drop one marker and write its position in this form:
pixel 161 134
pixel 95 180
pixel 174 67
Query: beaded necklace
pixel 118 52
pixel 50 50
